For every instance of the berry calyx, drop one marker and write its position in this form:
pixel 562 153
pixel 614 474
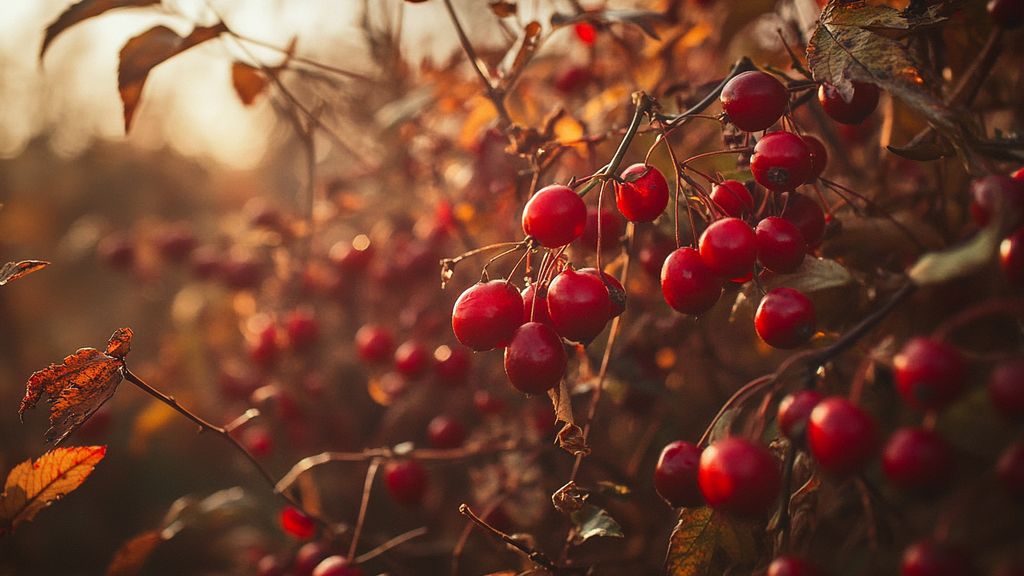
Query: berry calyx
pixel 406 481
pixel 780 245
pixel 535 358
pixel 739 477
pixel 296 523
pixel 643 195
pixel 819 156
pixel 554 216
pixel 917 459
pixel 841 436
pixel 791 566
pixel 446 432
pixel 729 247
pixel 1006 388
pixel 687 283
pixel 374 343
pixel 861 104
pixel 807 215
pixel 785 318
pixel 486 315
pixel 733 198
pixel 754 100
pixel 336 566
pixel 931 558
pixel 929 373
pixel 675 476
pixel 794 410
pixel 579 305
pixel 611 230
pixel 781 161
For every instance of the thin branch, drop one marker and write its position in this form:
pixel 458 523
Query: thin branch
pixel 371 473
pixel 535 556
pixel 392 543
pixel 294 58
pixel 496 95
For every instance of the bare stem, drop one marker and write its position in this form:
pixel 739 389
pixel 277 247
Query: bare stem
pixel 535 556
pixel 371 473
pixel 392 543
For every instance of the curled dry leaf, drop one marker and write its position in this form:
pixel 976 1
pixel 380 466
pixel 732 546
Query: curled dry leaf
pixel 83 11
pixel 591 521
pixel 570 498
pixel 570 438
pixel 249 82
pixel 14 270
pixel 32 486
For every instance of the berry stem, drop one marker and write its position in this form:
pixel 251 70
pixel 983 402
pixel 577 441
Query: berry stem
pixel 493 92
pixel 742 65
pixel 392 543
pixel 371 473
pixel 535 556
pixel 644 104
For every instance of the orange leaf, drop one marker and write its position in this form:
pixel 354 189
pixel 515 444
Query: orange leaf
pixel 248 81
pixel 132 555
pixel 32 486
pixel 14 270
pixel 83 11
pixel 77 387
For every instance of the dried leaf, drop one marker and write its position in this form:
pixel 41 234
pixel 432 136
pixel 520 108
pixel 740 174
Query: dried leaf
pixel 938 267
pixel 591 521
pixel 14 270
pixel 84 10
pixel 691 547
pixel 561 401
pixel 32 486
pixel 527 46
pixel 814 275
pixel 642 19
pixel 78 386
pixel 249 82
pixel 132 555
pixel 147 50
pixel 570 438
pixel 569 499
pixel 503 9
pixel 612 489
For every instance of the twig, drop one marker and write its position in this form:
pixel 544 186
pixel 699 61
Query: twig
pixel 496 95
pixel 294 58
pixel 371 473
pixel 535 556
pixel 392 543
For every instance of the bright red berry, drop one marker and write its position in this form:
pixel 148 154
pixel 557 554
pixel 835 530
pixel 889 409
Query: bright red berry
pixel 406 481
pixel 412 359
pixel 296 523
pixel 374 343
pixel 739 477
pixel 446 432
pixel 1011 257
pixel 794 410
pixel 586 32
pixel 535 359
pixel 781 161
pixel 675 476
pixel 1006 14
pixel 930 558
pixel 451 365
pixel 336 566
pixel 917 459
pixel 486 315
pixel 644 194
pixel 555 216
pixel 819 156
pixel 780 245
pixel 785 318
pixel 792 566
pixel 997 193
pixel 929 374
pixel 579 305
pixel 535 304
pixel 303 328
pixel 1018 175
pixel 616 293
pixel 856 110
pixel 1010 469
pixel 1006 388
pixel 808 217
pixel 687 283
pixel 841 436
pixel 754 100
pixel 728 247
pixel 733 198
pixel 611 230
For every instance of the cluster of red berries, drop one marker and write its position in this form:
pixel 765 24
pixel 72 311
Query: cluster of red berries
pixel 311 559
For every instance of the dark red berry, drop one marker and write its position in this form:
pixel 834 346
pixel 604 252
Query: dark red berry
pixel 611 230
pixel 579 305
pixel 451 365
pixel 644 194
pixel 792 566
pixel 535 308
pixel 841 436
pixel 808 217
pixel 1006 388
pixel 535 359
pixel 175 242
pixel 337 566
pixel 303 328
pixel 781 161
pixel 687 283
pixel 374 343
pixel 271 565
pixel 488 403
pixel 929 374
pixel 117 251
pixel 486 315
pixel 1006 14
pixel 675 476
pixel 917 459
pixel 412 359
pixel 616 293
pixel 652 256
pixel 794 410
pixel 739 477
pixel 308 557
pixel 930 558
pixel 780 245
pixel 733 198
pixel 555 216
pixel 729 247
pixel 573 79
pixel 819 156
pixel 997 193
pixel 785 318
pixel 241 273
pixel 754 100
pixel 263 350
pixel 406 481
pixel 1010 469
pixel 295 523
pixel 861 104
pixel 446 432
pixel 1011 257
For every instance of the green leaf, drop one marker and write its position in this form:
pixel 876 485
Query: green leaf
pixel 937 267
pixel 591 521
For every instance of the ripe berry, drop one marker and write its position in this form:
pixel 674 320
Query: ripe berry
pixel 270 565
pixel 687 283
pixel 1006 388
pixel 296 523
pixel 257 441
pixel 1010 469
pixel 997 193
pixel 739 477
pixel 644 194
pixel 446 432
pixel 308 557
pixel 241 273
pixel 917 459
pixel 754 100
pixel 554 216
pixel 487 403
pixel 573 79
pixel 652 256
pixel 406 481
pixel 1011 257
pixel 780 245
pixel 781 161
pixel 929 373
pixel 794 410
pixel 616 293
pixel 352 257
pixel 535 304
pixel 374 343
pixel 412 359
pixel 336 566
pixel 860 106
pixel 117 251
pixel 819 156
pixel 785 318
pixel 451 365
pixel 263 350
pixel 675 476
pixel 791 566
pixel 930 558
pixel 535 359
pixel 841 436
pixel 808 217
pixel 175 242
pixel 728 247
pixel 611 230
pixel 1006 14
pixel 486 315
pixel 733 198
pixel 579 305
pixel 303 328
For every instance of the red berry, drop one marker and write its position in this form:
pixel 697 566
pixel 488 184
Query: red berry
pixel 997 193
pixel 860 106
pixel 303 328
pixel 579 305
pixel 728 247
pixel 675 476
pixel 930 558
pixel 616 293
pixel 308 557
pixel 794 410
pixel 644 194
pixel 1011 257
pixel 1010 469
pixel 175 242
pixel 270 565
pixel 929 373
pixel 406 481
pixel 263 351
pixel 352 257
pixel 733 198
pixel 785 318
pixel 446 432
pixel 652 256
pixel 1018 175
pixel 258 441
pixel 117 251
pixel 412 359
pixel 486 315
pixel 451 365
pixel 917 459
pixel 611 230
pixel 535 359
pixel 780 245
pixel 535 309
pixel 739 477
pixel 791 566
pixel 573 79
pixel 336 566
pixel 555 216
pixel 374 343
pixel 687 283
pixel 841 436
pixel 586 32
pixel 296 523
pixel 1006 14
pixel 241 273
pixel 1006 388
pixel 819 156
pixel 808 217
pixel 754 100
pixel 781 161
pixel 487 403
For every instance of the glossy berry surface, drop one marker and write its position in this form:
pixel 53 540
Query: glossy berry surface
pixel 452 365
pixel 728 247
pixel 754 100
pixel 792 566
pixel 336 566
pixel 554 216
pixel 997 193
pixel 739 477
pixel 644 194
pixel 446 432
pixel 1006 388
pixel 295 523
pixel 412 359
pixel 785 318
pixel 406 481
pixel 610 227
pixel 675 475
pixel 1007 14
pixel 1011 257
pixel 930 558
pixel 841 436
pixel 860 106
pixel 535 359
pixel 535 304
pixel 819 156
pixel 917 459
pixel 687 283
pixel 733 198
pixel 794 410
pixel 616 293
pixel 303 329
pixel 807 215
pixel 1010 469
pixel 579 305
pixel 781 161
pixel 780 245
pixel 486 315
pixel 374 343
pixel 929 373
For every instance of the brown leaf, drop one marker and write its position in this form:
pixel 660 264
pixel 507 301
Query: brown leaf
pixel 32 486
pixel 691 547
pixel 83 11
pixel 569 498
pixel 14 270
pixel 249 82
pixel 145 51
pixel 503 9
pixel 527 46
pixel 78 386
pixel 591 521
pixel 132 555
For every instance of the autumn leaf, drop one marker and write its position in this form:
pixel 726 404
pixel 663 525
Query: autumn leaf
pixel 78 386
pixel 691 547
pixel 14 270
pixel 570 438
pixel 941 266
pixel 132 555
pixel 84 10
pixel 503 9
pixel 527 46
pixel 591 521
pixel 32 486
pixel 147 50
pixel 249 82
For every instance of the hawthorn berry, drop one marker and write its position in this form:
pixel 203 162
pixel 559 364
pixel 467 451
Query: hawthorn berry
pixel 1006 388
pixel 861 104
pixel 754 100
pixel 535 304
pixel 728 247
pixel 486 315
pixel 412 359
pixel 819 156
pixel 917 459
pixel 791 566
pixel 117 251
pixel 573 79
pixel 929 373
pixel 308 557
pixel 487 403
pixel 374 343
pixel 997 193
pixel 263 350
pixel 780 245
pixel 1010 469
pixel 841 436
pixel 611 230
pixel 579 305
pixel 1011 257
pixel 739 477
pixel 241 273
pixel 616 293
pixel 302 328
pixel 258 441
pixel 270 565
pixel 687 283
pixel 930 558
pixel 808 217
pixel 586 32
pixel 554 216
pixel 652 256
pixel 337 566
pixel 446 432
pixel 643 195
pixel 733 198
pixel 406 481
pixel 794 410
pixel 535 358
pixel 1006 14
pixel 781 161
pixel 675 475
pixel 296 523
pixel 451 365
pixel 785 318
